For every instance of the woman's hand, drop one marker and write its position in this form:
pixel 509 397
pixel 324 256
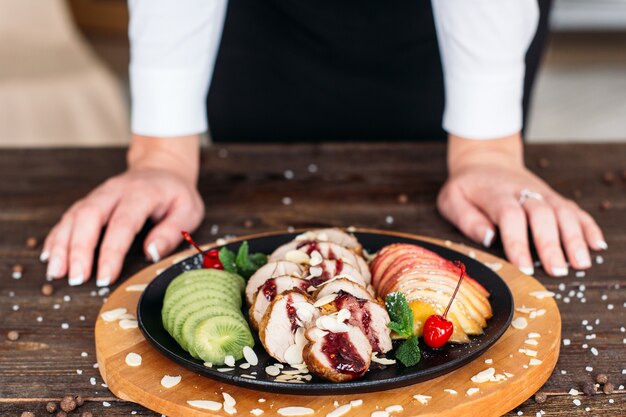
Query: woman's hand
pixel 160 184
pixel 483 191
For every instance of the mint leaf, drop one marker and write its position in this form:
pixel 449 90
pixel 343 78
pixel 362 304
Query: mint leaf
pixel 246 263
pixel 227 258
pixel 409 352
pixel 400 314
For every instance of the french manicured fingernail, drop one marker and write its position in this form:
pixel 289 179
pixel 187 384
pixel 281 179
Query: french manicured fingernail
pixel 528 270
pixel 54 268
pixel 104 275
pixel 559 271
pixel 77 276
pixel 44 256
pixel 602 245
pixel 153 251
pixel 488 239
pixel 582 257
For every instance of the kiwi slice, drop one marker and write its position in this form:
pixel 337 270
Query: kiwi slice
pixel 209 274
pixel 181 317
pixel 206 297
pixel 224 282
pixel 200 286
pixel 217 337
pixel 185 335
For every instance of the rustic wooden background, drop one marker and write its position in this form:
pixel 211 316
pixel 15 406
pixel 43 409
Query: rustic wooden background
pixel 244 188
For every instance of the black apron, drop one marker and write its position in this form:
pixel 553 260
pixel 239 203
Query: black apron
pixel 327 70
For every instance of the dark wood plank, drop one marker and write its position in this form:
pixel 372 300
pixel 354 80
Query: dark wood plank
pixel 243 187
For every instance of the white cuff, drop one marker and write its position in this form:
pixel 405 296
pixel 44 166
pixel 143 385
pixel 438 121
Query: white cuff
pixel 168 102
pixel 485 107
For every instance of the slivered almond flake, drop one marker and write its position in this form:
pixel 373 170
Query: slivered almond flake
pixel 250 356
pixel 136 287
pixel 128 324
pixel 133 359
pixel 450 391
pixel 229 360
pixel 534 335
pixel 382 361
pixel 541 312
pixel 229 403
pixel 396 408
pixel 205 404
pixel 535 362
pixel 488 361
pixel 295 411
pixel 315 271
pixel 525 310
pixel 113 315
pixel 379 414
pixel 225 369
pixel 356 403
pixel 541 294
pixel 256 411
pixel 532 342
pixel 127 316
pixel 325 300
pixel 340 411
pixel 484 376
pixel 472 391
pixel 519 323
pixel 248 376
pixel 244 365
pixel 170 381
pixel 297 256
pixel 423 399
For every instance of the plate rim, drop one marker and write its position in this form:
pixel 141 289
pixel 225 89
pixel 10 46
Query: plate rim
pixel 356 386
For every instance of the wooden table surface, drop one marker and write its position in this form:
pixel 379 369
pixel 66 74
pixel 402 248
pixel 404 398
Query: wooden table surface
pixel 245 190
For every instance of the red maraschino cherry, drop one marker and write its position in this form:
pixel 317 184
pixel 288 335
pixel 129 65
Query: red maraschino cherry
pixel 210 259
pixel 438 329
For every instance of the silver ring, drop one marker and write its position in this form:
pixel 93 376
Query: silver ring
pixel 526 194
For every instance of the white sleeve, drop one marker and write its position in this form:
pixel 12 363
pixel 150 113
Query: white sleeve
pixel 483 44
pixel 173 45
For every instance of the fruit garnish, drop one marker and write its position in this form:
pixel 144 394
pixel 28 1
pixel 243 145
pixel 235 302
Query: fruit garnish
pixel 402 323
pixel 437 328
pixel 210 259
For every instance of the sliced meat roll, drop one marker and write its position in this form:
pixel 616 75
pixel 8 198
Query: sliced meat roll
pixel 336 236
pixel 370 317
pixel 271 270
pixel 268 292
pixel 279 328
pixel 345 285
pixel 337 356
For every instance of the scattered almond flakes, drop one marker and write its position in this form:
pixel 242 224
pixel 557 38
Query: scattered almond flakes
pixel 128 324
pixel 379 414
pixel 528 352
pixel 396 408
pixel 382 361
pixel 532 342
pixel 205 404
pixel 170 381
pixel 519 323
pixel 541 294
pixel 472 391
pixel 225 369
pixel 423 399
pixel 357 403
pixel 573 391
pixel 229 360
pixel 250 356
pixel 295 411
pixel 534 335
pixel 247 376
pixel 229 403
pixel 488 361
pixel 525 310
pixel 256 411
pixel 535 362
pixel 113 315
pixel 450 391
pixel 136 287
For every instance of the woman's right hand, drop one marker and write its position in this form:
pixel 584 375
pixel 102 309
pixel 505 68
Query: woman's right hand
pixel 160 184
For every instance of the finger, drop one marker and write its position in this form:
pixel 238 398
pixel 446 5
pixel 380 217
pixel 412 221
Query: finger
pixel 126 221
pixel 88 222
pixel 572 235
pixel 47 245
pixel 545 231
pixel 468 218
pixel 165 236
pixel 593 233
pixel 511 220
pixel 59 244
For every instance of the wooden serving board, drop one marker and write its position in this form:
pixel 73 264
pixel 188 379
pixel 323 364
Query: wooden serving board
pixel 142 384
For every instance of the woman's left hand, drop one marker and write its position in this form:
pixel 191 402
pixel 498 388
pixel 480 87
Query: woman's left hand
pixel 484 190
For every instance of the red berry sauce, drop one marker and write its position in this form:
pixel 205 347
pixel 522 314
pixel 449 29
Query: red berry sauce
pixel 342 354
